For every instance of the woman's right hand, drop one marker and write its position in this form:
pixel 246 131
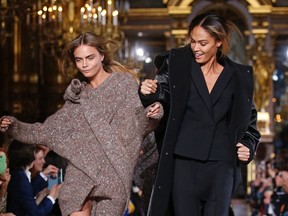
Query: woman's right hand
pixel 5 123
pixel 148 86
pixel 51 170
pixel 54 191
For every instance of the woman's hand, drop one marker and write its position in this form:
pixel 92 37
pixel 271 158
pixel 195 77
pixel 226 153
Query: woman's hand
pixel 148 86
pixel 54 191
pixel 41 195
pixel 51 170
pixel 155 111
pixel 5 123
pixel 243 152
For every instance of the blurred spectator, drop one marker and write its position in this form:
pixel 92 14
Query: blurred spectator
pixel 39 175
pixel 4 180
pixel 53 159
pixel 269 190
pixel 20 199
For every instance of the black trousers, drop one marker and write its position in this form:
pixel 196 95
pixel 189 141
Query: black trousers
pixel 202 188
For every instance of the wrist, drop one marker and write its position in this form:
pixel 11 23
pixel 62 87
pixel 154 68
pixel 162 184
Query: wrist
pixel 44 176
pixel 52 199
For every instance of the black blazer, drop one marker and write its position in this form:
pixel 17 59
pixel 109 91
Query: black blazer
pixel 174 80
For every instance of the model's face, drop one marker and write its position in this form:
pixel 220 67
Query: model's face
pixel 39 161
pixel 203 45
pixel 88 61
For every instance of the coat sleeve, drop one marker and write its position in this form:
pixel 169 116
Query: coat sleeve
pixel 46 133
pixel 38 184
pixel 38 133
pixel 162 94
pixel 252 136
pixel 133 110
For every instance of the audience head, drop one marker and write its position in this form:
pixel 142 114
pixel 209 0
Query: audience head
pixel 21 155
pixel 39 161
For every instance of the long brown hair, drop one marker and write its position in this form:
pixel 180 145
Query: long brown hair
pixel 106 47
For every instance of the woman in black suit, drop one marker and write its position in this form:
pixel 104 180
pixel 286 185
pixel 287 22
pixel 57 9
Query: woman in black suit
pixel 211 126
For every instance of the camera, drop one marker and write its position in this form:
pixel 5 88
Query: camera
pixel 60 176
pixel 58 179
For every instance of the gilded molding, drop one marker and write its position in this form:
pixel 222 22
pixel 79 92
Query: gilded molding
pixel 183 10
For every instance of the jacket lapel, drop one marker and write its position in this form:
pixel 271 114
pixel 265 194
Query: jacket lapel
pixel 221 83
pixel 199 82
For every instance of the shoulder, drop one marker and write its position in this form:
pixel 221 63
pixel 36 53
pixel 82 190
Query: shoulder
pixel 164 56
pixel 238 66
pixel 160 58
pixel 125 77
pixel 18 180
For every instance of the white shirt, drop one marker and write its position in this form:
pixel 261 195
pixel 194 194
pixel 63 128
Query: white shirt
pixel 28 174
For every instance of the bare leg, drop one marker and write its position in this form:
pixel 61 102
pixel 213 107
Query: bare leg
pixel 86 210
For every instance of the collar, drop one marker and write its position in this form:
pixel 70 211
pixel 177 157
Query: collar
pixel 28 174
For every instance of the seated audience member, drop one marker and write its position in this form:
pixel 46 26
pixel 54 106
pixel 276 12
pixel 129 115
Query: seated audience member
pixel 20 199
pixel 269 190
pixel 4 180
pixel 39 175
pixel 47 165
pixel 262 188
pixel 52 158
pixel 279 199
pixel 285 188
pixel 284 175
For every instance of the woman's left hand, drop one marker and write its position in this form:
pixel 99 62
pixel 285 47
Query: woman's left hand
pixel 154 110
pixel 243 152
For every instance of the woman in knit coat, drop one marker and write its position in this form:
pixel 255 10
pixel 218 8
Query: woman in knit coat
pixel 99 129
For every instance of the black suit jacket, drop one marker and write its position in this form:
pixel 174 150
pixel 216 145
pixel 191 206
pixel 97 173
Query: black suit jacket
pixel 174 78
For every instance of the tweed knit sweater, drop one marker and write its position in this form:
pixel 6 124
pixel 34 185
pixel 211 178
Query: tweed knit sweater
pixel 99 130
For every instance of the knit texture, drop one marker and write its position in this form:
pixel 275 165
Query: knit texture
pixel 100 131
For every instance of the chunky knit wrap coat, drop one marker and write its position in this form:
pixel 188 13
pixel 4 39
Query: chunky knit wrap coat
pixel 99 130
